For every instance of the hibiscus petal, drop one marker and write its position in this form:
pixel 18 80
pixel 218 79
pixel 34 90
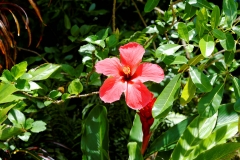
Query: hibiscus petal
pixel 109 67
pixel 112 89
pixel 137 95
pixel 148 72
pixel 131 55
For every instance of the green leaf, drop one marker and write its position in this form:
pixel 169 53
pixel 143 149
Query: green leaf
pixel 236 29
pixel 206 45
pixel 75 87
pixel 22 84
pixel 102 34
pixel 6 89
pixel 7 76
pixel 200 3
pixel 134 151
pixel 88 48
pixel 112 41
pixel 54 94
pixel 67 22
pixel 189 11
pixel 236 86
pixel 136 133
pixel 38 126
pixel 228 57
pixel 230 10
pixel 219 34
pixel 94 141
pixel 25 136
pixel 165 100
pixel 68 69
pixel 12 98
pixel 210 102
pixel 199 129
pixel 226 115
pixel 188 92
pixel 4 110
pixel 28 123
pixel 215 17
pixel 193 61
pixel 150 5
pixel 17 118
pixel 43 72
pixel 9 132
pixel 170 60
pixel 183 31
pixel 151 29
pixel 167 49
pixel 94 40
pixel 219 136
pixel 237 105
pixel 75 30
pixel 219 151
pixel 228 43
pixel 169 137
pixel 19 69
pixel 200 80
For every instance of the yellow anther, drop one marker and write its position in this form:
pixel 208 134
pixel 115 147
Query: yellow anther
pixel 126 70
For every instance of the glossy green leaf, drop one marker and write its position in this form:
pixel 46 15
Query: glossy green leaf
pixel 183 31
pixel 102 34
pixel 236 29
pixel 19 69
pixel 226 115
pixel 88 48
pixel 150 5
pixel 25 136
pixel 75 30
pixel 17 118
pixel 200 3
pixel 206 45
pixel 233 66
pixel 230 10
pixel 112 41
pixel 199 27
pixel 199 129
pixel 236 86
pixel 75 87
pixel 22 84
pixel 165 100
pixel 4 110
pixel 219 151
pixel 193 61
pixel 9 132
pixel 134 151
pixel 228 57
pixel 210 102
pixel 228 43
pixel 200 80
pixel 215 17
pixel 43 72
pixel 136 134
pixel 67 22
pixel 68 69
pixel 189 11
pixel 167 49
pixel 94 141
pixel 219 34
pixel 188 92
pixel 7 76
pixel 219 136
pixel 12 98
pixel 237 105
pixel 93 39
pixel 151 29
pixel 38 126
pixel 170 60
pixel 6 90
pixel 169 137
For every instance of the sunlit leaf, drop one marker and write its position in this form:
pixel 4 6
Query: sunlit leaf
pixel 210 102
pixel 215 17
pixel 200 80
pixel 188 92
pixel 183 31
pixel 207 45
pixel 134 151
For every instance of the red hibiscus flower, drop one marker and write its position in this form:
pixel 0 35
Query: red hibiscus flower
pixel 127 75
pixel 147 121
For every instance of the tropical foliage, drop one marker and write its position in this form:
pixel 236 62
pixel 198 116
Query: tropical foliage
pixel 170 87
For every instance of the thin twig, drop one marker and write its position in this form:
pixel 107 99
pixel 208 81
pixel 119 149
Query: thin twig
pixel 184 46
pixel 28 50
pixel 60 101
pixel 113 16
pixel 135 5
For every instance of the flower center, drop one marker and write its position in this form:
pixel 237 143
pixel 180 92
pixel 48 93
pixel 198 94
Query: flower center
pixel 126 70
